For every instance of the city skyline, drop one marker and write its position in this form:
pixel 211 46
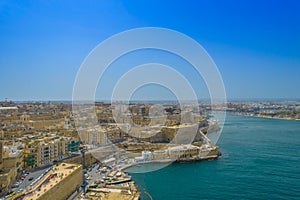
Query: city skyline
pixel 256 45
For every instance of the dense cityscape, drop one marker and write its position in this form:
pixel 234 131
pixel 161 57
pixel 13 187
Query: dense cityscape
pixel 40 142
pixel 38 139
pixel 143 100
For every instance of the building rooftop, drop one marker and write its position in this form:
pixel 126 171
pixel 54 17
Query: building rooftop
pixel 9 108
pixel 183 146
pixel 49 180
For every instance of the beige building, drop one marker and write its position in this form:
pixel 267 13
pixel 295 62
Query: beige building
pixel 11 167
pixel 32 157
pixel 24 117
pixel 183 151
pixel 93 136
pixel 1 152
pixel 43 151
pixel 59 183
pixel 41 124
pixel 160 155
pixel 8 111
pixel 6 179
pixel 13 158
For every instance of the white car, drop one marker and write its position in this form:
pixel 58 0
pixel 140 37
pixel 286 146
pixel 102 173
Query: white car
pixel 20 190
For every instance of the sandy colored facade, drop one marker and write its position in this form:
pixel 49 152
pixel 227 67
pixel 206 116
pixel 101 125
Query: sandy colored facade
pixel 64 180
pixel 13 159
pixel 6 179
pixel 43 151
pixel 11 166
pixel 183 151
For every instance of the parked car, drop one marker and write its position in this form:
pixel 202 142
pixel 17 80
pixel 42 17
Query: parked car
pixel 20 190
pixel 12 194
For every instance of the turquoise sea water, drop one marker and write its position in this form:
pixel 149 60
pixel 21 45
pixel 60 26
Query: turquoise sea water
pixel 261 160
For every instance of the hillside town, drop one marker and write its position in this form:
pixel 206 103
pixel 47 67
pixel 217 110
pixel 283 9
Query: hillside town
pixel 43 152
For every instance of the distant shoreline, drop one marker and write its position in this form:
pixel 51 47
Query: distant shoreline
pixel 278 118
pixel 265 117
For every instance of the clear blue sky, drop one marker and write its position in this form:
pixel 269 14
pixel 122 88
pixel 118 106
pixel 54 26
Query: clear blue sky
pixel 255 44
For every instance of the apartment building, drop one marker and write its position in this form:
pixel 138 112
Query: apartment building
pixel 48 150
pixel 93 136
pixel 11 166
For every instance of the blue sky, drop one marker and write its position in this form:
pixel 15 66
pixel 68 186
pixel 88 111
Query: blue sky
pixel 255 44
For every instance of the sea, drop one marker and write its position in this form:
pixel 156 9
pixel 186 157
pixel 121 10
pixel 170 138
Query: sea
pixel 260 160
